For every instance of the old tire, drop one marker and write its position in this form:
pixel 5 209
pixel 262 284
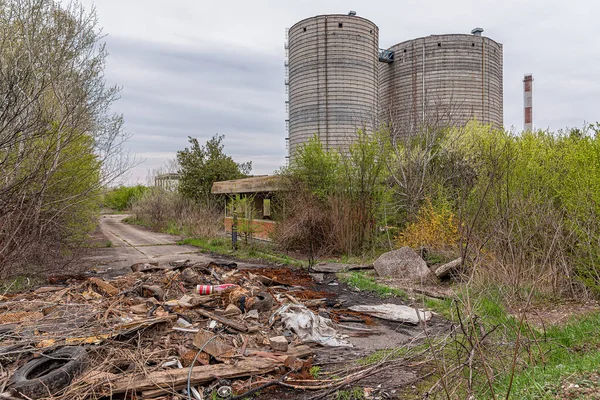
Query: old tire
pixel 49 373
pixel 262 302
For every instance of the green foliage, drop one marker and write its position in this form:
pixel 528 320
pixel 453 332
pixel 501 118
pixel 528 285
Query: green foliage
pixel 538 193
pixel 356 393
pixel 201 166
pixel 569 349
pixel 361 281
pixel 336 201
pixel 316 168
pixel 122 198
pixel 314 371
pixel 243 208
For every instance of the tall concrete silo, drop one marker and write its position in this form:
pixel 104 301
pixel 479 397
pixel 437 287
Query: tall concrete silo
pixel 442 79
pixel 333 79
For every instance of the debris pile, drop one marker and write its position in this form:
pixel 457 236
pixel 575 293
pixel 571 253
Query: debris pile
pixel 182 331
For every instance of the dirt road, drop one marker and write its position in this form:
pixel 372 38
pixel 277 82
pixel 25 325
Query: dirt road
pixel 128 244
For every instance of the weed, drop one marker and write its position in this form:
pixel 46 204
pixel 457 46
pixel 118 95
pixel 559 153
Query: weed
pixel 356 393
pixel 109 244
pixel 361 281
pixel 19 283
pixel 253 251
pixel 314 371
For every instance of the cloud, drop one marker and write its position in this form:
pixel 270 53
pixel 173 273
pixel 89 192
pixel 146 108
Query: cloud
pixel 191 68
pixel 173 92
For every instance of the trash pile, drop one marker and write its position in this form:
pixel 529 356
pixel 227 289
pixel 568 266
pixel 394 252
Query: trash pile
pixel 182 331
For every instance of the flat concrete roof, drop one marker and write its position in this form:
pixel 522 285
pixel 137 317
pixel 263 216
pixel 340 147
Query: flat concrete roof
pixel 254 184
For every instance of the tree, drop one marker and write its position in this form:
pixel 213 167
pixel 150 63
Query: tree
pixel 59 142
pixel 201 166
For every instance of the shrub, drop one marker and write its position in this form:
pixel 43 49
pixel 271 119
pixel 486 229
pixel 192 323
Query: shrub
pixel 333 201
pixel 122 198
pixel 432 229
pixel 169 211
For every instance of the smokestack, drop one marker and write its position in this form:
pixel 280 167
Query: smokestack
pixel 528 102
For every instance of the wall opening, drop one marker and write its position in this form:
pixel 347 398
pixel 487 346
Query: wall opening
pixel 340 25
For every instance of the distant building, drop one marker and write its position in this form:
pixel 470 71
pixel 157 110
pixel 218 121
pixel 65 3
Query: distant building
pixel 168 181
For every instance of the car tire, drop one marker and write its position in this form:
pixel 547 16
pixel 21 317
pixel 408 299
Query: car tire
pixel 48 374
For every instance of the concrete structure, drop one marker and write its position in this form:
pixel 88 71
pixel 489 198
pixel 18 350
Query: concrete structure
pixel 442 79
pixel 169 181
pixel 338 80
pixel 260 189
pixel 528 102
pixel 333 79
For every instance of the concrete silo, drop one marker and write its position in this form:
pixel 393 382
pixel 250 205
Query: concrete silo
pixel 442 79
pixel 333 79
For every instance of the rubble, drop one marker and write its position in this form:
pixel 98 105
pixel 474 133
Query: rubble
pixel 152 333
pixel 279 343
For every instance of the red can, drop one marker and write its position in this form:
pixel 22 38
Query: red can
pixel 209 289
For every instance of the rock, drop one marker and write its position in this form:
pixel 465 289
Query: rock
pixel 252 314
pixel 318 277
pixel 232 309
pixel 278 343
pixel 403 263
pixel 448 268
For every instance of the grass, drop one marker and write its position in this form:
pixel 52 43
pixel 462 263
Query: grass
pixel 135 221
pixel 365 283
pixel 356 393
pixel 250 252
pixel 20 283
pixel 571 349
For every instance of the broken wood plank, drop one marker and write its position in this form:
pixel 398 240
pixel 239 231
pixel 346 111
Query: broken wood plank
pixel 225 321
pixel 293 351
pixel 215 347
pixel 104 287
pixel 160 382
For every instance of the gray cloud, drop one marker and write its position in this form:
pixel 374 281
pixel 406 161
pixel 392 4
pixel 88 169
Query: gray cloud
pixel 192 68
pixel 173 92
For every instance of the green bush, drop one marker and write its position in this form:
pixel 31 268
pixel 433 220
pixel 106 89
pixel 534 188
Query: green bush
pixel 532 214
pixel 123 197
pixel 334 200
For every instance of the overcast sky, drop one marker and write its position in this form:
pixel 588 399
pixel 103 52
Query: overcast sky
pixel 199 67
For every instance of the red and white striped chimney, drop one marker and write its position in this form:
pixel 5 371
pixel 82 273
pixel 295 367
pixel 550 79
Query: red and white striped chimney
pixel 528 102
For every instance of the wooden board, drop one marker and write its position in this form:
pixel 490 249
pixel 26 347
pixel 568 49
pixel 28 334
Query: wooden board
pixel 159 382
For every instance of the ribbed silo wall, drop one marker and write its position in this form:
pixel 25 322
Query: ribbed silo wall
pixel 333 79
pixel 442 79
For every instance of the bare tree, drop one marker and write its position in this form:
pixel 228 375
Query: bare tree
pixel 423 147
pixel 59 141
